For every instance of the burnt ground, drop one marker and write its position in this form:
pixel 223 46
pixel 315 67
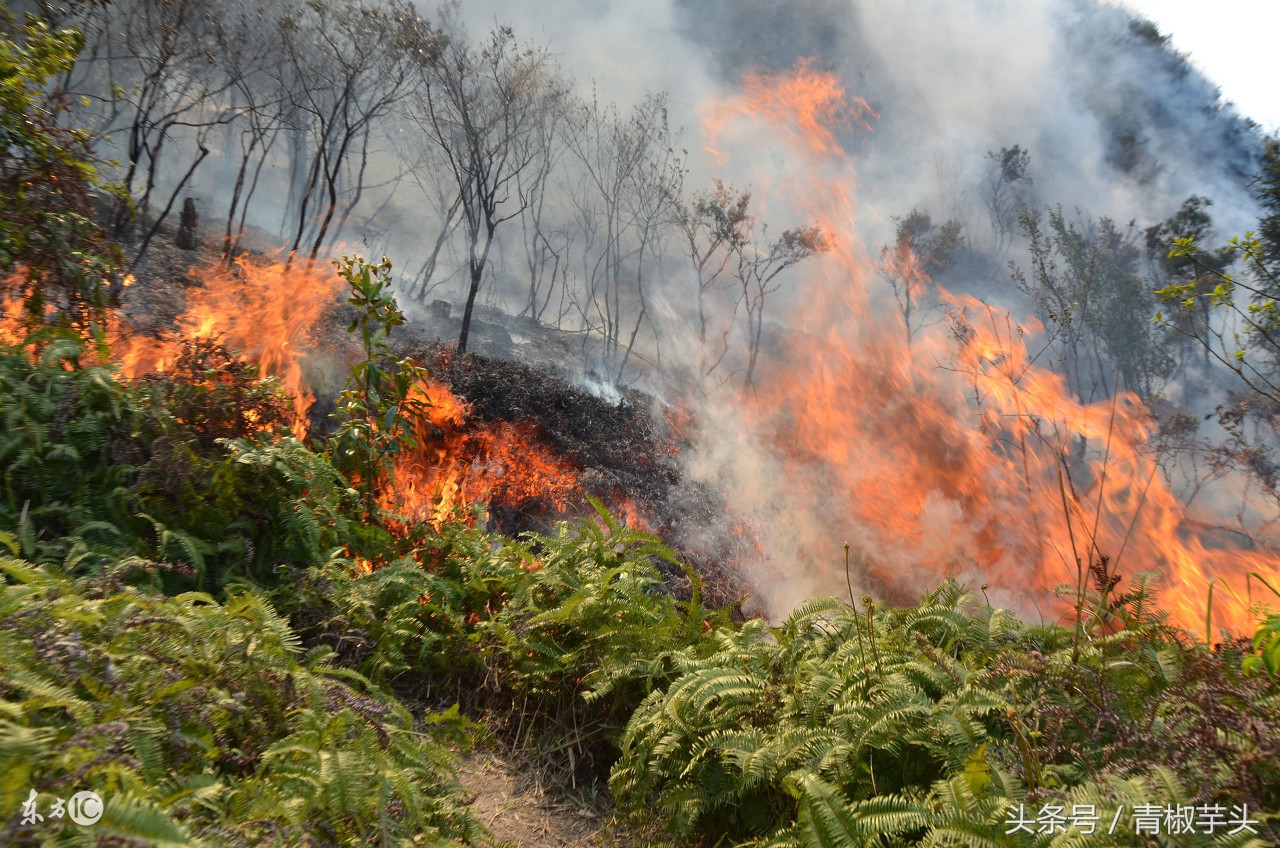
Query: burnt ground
pixel 627 453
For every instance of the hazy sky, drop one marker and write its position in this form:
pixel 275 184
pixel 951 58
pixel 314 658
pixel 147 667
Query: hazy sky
pixel 1232 42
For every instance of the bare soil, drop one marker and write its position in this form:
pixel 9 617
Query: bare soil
pixel 520 813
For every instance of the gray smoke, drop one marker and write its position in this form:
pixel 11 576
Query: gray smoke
pixel 1115 124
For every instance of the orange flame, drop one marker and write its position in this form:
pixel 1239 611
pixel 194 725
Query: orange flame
pixel 632 515
pixel 263 312
pixel 807 106
pixel 460 461
pixel 11 323
pixel 15 321
pixel 989 468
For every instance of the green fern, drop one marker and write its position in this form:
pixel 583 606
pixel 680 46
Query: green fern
pixel 203 723
pixel 929 741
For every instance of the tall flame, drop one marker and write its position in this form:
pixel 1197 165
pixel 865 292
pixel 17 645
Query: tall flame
pixel 263 311
pixel 980 464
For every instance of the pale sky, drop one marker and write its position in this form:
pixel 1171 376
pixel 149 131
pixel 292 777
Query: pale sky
pixel 1233 42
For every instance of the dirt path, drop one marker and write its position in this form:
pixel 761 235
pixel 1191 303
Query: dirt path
pixel 519 813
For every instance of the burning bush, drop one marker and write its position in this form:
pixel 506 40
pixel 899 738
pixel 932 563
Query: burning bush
pixel 192 465
pixel 458 462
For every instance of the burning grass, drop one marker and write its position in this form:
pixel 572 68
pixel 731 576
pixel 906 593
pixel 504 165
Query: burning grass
pixel 620 451
pixel 626 454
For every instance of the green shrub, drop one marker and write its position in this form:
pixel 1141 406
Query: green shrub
pixel 202 723
pixel 926 725
pixel 62 428
pixel 381 397
pixel 559 636
pixel 1266 644
pixel 589 632
pixel 53 257
pixel 195 466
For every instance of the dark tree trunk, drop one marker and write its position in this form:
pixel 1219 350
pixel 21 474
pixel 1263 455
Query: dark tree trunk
pixel 476 273
pixel 188 237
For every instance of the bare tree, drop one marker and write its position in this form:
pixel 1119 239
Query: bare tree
pixel 722 243
pixel 631 182
pixel 345 64
pixel 155 69
pixel 429 172
pixel 901 269
pixel 920 250
pixel 758 271
pixel 715 226
pixel 1007 179
pixel 171 72
pixel 546 242
pixel 484 105
pixel 260 107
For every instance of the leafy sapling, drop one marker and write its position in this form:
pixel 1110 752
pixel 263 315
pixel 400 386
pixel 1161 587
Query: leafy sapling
pixel 382 394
